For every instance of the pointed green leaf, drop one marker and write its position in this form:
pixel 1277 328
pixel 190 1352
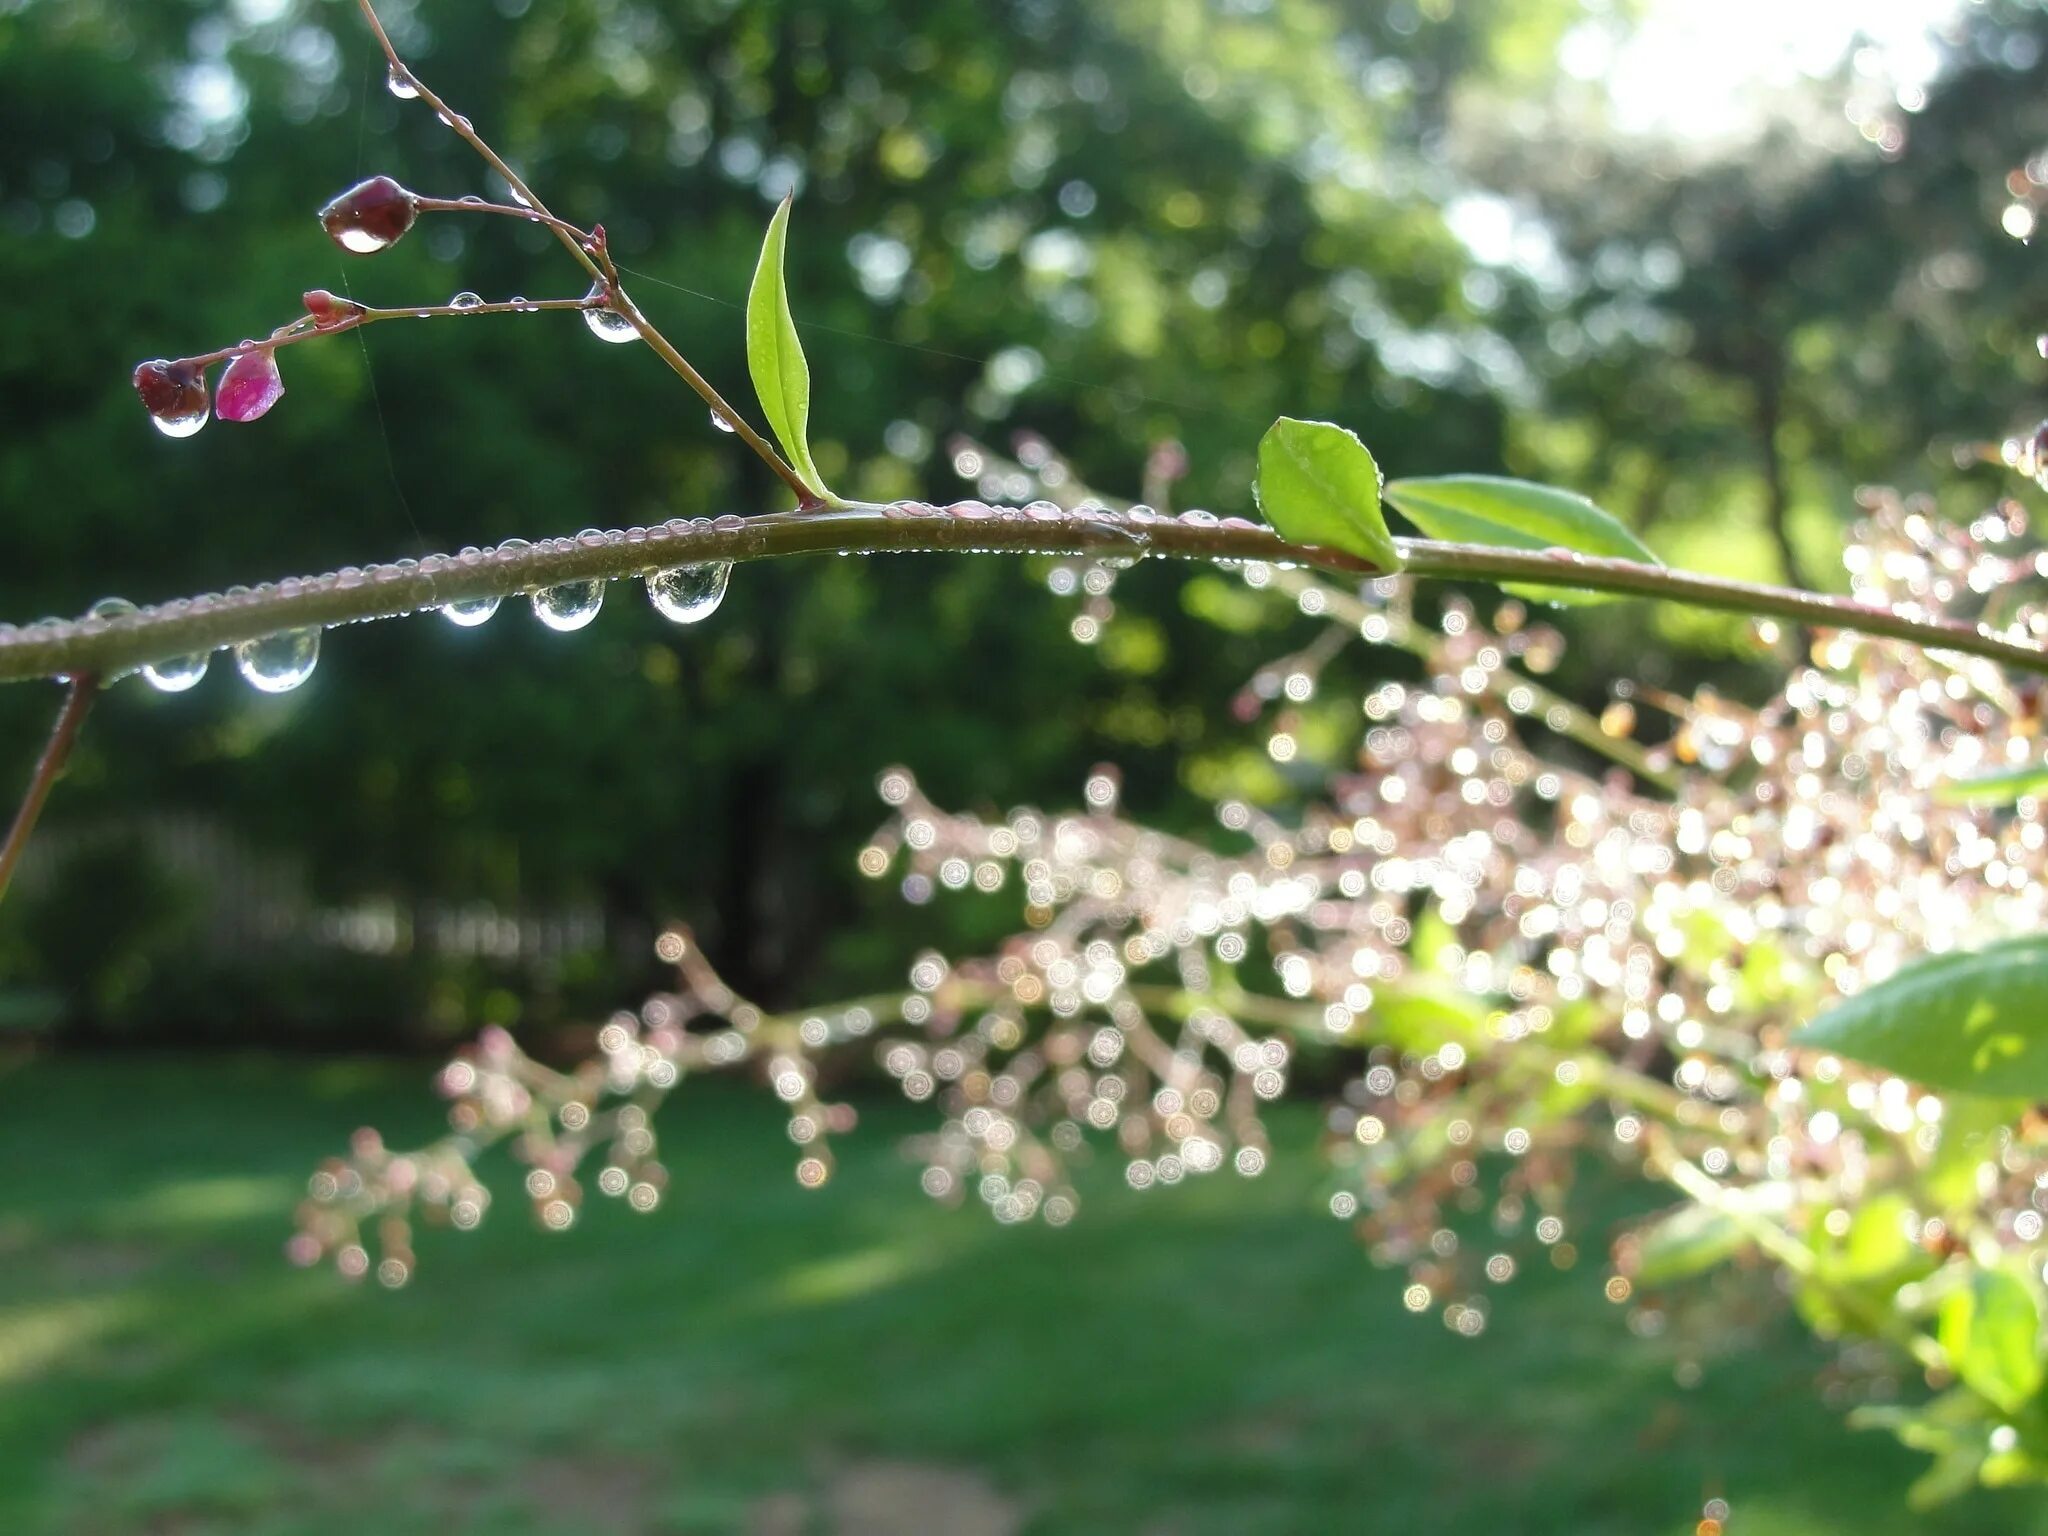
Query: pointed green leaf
pixel 1971 1022
pixel 1317 484
pixel 1995 788
pixel 775 357
pixel 1991 1333
pixel 1517 514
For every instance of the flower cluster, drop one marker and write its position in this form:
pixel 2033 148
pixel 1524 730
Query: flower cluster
pixel 1516 930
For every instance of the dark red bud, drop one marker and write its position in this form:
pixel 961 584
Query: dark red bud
pixel 174 394
pixel 331 309
pixel 370 215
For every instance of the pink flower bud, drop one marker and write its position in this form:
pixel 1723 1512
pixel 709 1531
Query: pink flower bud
pixel 330 310
pixel 174 394
pixel 370 215
pixel 249 386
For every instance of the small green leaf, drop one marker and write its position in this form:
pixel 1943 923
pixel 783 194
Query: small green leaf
pixel 1318 484
pixel 1420 1014
pixel 775 357
pixel 1994 788
pixel 1991 1333
pixel 1517 514
pixel 1971 1022
pixel 1688 1241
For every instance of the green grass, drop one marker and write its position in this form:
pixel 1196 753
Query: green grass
pixel 753 1358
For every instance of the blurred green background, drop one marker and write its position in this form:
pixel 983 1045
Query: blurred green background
pixel 1714 266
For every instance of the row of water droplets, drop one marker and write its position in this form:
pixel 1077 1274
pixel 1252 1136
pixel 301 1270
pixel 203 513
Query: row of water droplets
pixel 682 592
pixel 278 663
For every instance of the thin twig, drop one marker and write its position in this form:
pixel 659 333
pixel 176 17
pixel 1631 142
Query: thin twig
pixel 84 687
pixel 303 329
pixel 591 255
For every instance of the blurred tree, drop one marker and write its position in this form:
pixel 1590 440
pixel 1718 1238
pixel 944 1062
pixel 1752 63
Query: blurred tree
pixel 1726 346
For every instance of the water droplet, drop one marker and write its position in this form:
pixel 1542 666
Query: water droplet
pixel 721 423
pixel 685 594
pixel 279 663
pixel 569 606
pixel 175 395
pixel 108 608
pixel 370 215
pixel 470 612
pixel 401 84
pixel 466 300
pixel 179 673
pixel 606 323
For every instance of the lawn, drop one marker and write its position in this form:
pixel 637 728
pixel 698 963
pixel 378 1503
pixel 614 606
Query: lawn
pixel 1217 1358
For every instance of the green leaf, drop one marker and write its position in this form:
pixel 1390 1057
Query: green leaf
pixel 1688 1241
pixel 1991 1332
pixel 1971 1022
pixel 1994 788
pixel 1517 514
pixel 1420 1014
pixel 775 357
pixel 1318 484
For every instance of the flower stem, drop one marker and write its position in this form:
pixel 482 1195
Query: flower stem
pixel 591 255
pixel 84 687
pixel 302 330
pixel 109 648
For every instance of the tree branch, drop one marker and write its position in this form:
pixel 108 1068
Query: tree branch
pixel 112 647
pixel 49 768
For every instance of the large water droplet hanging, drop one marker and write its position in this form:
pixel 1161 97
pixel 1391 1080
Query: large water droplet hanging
pixel 606 323
pixel 401 84
pixel 569 606
pixel 370 215
pixel 466 300
pixel 279 663
pixel 183 424
pixel 175 395
pixel 688 593
pixel 718 420
pixel 470 612
pixel 177 674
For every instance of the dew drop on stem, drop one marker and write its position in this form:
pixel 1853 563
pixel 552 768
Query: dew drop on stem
pixel 466 300
pixel 370 216
pixel 686 594
pixel 718 420
pixel 470 612
pixel 178 673
pixel 400 83
pixel 278 663
pixel 175 395
pixel 570 605
pixel 606 323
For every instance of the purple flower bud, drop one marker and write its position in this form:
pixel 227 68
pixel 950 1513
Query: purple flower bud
pixel 249 386
pixel 370 215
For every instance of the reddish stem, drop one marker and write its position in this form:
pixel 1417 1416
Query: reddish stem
pixel 49 768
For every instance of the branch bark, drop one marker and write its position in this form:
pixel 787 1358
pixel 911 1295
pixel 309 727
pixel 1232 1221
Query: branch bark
pixel 110 648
